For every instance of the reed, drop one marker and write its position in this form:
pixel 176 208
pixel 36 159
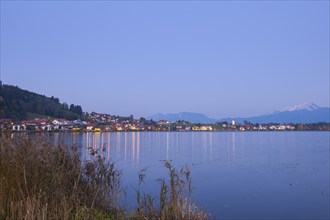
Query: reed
pixel 174 201
pixel 41 181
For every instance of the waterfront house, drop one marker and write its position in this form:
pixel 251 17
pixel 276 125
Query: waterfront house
pixel 179 128
pixel 96 129
pixel 119 127
pixel 272 127
pixel 89 128
pixel 206 128
pixel 60 122
pixel 132 127
pixel 281 127
pixel 18 127
pixel 46 127
pixel 196 128
pixel 5 124
pixel 290 127
pixel 188 128
pixel 77 122
pixel 75 128
pixel 38 124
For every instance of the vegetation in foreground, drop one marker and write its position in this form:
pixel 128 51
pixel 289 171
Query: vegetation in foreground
pixel 42 181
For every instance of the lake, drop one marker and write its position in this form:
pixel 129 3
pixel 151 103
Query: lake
pixel 235 175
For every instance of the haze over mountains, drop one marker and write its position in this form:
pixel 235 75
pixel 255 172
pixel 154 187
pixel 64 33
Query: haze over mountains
pixel 305 113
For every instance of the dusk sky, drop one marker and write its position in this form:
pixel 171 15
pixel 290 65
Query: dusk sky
pixel 218 58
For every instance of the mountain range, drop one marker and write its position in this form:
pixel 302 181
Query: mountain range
pixel 305 113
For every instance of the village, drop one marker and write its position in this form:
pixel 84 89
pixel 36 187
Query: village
pixel 95 122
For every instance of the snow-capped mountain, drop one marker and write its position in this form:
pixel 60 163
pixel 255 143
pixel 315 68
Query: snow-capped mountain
pixel 305 113
pixel 305 106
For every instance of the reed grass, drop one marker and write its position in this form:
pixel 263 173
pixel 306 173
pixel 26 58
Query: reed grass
pixel 41 181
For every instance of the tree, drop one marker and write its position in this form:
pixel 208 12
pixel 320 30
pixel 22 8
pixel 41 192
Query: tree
pixel 78 110
pixel 71 109
pixel 65 106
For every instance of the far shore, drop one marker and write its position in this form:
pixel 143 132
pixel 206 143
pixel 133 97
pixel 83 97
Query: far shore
pixel 130 131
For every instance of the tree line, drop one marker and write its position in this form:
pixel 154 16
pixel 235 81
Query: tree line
pixel 18 104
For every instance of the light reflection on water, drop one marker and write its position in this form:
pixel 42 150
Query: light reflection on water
pixel 242 175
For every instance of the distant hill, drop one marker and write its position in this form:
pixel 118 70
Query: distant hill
pixel 19 104
pixel 186 116
pixel 305 113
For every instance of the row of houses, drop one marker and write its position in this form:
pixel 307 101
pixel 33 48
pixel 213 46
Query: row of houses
pixel 130 125
pixel 46 125
pixel 267 128
pixel 65 125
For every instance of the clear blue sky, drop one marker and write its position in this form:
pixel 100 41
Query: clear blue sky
pixel 219 58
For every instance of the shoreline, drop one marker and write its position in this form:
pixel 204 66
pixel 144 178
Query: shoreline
pixel 83 132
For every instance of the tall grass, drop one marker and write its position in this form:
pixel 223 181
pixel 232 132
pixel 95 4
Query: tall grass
pixel 41 181
pixel 174 201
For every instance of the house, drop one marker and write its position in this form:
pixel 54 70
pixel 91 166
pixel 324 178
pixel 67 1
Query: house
pixel 41 121
pixel 163 122
pixel 281 127
pixel 60 122
pixel 119 127
pixel 132 127
pixel 272 127
pixel 19 127
pixel 75 129
pixel 38 124
pixel 140 127
pixel 77 122
pixel 206 128
pixel 196 128
pixel 5 124
pixel 290 127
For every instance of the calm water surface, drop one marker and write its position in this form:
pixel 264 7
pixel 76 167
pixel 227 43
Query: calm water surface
pixel 236 175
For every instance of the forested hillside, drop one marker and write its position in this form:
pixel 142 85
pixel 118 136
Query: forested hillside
pixel 19 104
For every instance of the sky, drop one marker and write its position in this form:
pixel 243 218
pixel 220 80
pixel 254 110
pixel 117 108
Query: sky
pixel 219 58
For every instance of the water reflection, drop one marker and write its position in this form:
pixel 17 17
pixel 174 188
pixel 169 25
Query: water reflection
pixel 233 146
pixel 108 144
pixel 167 144
pixel 138 147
